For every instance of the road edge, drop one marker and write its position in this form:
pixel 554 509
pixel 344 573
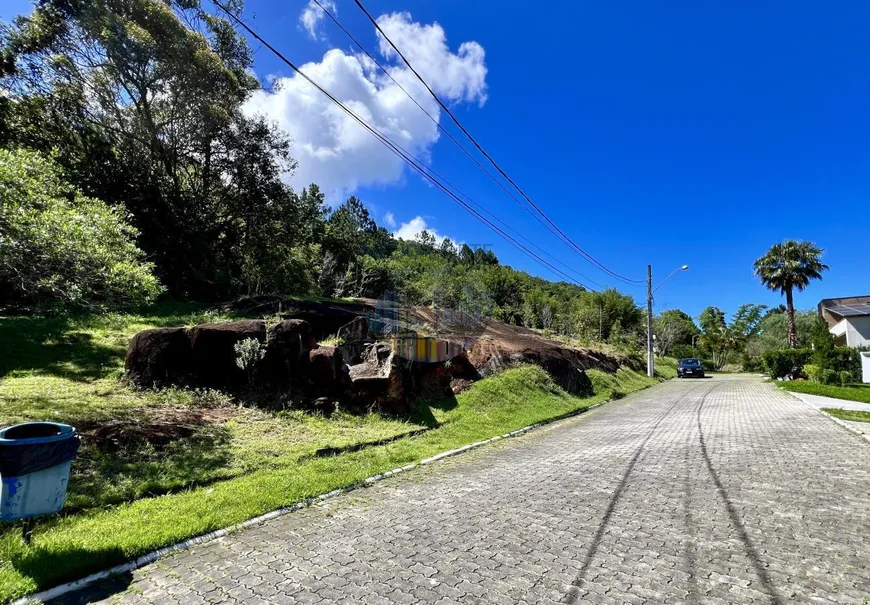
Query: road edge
pixel 843 424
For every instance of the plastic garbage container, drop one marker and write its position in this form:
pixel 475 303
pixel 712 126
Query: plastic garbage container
pixel 35 460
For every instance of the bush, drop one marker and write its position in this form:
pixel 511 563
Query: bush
pixel 753 364
pixel 828 376
pixel 780 362
pixel 847 359
pixel 813 372
pixel 61 248
pixel 845 377
pixel 249 352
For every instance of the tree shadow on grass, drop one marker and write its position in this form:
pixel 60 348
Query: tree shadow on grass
pixel 49 567
pixel 105 589
pixel 57 346
pixel 421 409
pixel 64 345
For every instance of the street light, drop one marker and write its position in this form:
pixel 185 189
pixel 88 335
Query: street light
pixel 650 358
pixel 683 268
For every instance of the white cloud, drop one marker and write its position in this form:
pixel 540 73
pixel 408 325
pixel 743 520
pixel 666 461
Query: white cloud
pixel 459 77
pixel 312 15
pixel 337 153
pixel 412 229
pixel 390 220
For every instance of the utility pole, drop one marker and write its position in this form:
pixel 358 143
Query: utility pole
pixel 650 362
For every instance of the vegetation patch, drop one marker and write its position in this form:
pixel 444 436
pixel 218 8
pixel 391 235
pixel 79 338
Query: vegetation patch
pixel 851 415
pixel 852 392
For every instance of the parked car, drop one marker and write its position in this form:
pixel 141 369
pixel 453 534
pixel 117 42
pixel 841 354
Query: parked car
pixel 690 368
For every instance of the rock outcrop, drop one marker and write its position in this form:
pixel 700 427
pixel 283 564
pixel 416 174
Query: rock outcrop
pixel 159 357
pixel 287 353
pixel 370 374
pixel 213 356
pixel 381 360
pixel 326 374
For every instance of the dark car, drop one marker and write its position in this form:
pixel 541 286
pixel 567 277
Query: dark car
pixel 690 368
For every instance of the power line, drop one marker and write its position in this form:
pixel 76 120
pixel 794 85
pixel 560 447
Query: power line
pixel 464 150
pixel 398 150
pixel 456 121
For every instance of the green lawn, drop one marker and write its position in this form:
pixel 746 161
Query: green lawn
pixel 852 415
pixel 156 468
pixel 852 392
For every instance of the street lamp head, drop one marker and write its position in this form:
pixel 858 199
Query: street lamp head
pixel 684 268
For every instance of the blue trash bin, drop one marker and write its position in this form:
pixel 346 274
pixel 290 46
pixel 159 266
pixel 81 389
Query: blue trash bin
pixel 35 460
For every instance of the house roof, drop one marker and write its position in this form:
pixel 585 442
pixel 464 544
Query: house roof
pixel 834 309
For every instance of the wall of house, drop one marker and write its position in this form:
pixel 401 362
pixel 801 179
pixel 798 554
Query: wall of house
pixel 858 331
pixel 865 366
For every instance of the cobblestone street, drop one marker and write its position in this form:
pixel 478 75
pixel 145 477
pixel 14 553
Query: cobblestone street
pixel 724 490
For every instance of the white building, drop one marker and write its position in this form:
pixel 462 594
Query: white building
pixel 848 320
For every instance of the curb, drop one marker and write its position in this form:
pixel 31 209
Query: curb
pixel 843 424
pixel 147 559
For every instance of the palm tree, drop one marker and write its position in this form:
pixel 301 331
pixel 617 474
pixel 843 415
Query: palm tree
pixel 789 265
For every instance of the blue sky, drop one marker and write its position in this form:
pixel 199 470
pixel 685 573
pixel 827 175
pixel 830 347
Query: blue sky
pixel 673 133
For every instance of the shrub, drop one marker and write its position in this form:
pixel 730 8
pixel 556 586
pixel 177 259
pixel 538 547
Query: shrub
pixel 248 353
pixel 813 372
pixel 61 248
pixel 752 364
pixel 780 362
pixel 847 359
pixel 828 376
pixel 845 377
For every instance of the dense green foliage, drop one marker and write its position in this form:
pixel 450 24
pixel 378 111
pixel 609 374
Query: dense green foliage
pixel 721 341
pixel 831 364
pixel 780 362
pixel 143 102
pixel 787 267
pixel 673 328
pixel 772 331
pixel 61 248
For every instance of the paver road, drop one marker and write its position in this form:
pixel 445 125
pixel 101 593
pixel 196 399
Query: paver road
pixel 724 490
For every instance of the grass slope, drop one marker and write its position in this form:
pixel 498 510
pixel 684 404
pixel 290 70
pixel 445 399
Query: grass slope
pixel 129 498
pixel 856 392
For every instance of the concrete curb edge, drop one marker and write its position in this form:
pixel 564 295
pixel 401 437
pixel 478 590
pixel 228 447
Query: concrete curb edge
pixel 147 559
pixel 846 426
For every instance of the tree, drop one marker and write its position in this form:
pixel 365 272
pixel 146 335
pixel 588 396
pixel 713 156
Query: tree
pixel 466 254
pixel 426 239
pixel 788 266
pixel 546 317
pixel 824 345
pixel 772 331
pixel 351 234
pixel 747 321
pixel 673 327
pixel 144 102
pixel 61 248
pixel 716 337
